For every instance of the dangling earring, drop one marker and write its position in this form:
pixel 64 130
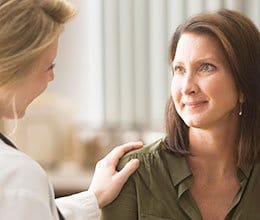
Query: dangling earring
pixel 240 109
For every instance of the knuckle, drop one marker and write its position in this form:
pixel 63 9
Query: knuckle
pixel 100 163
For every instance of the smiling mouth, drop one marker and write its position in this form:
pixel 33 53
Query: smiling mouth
pixel 194 105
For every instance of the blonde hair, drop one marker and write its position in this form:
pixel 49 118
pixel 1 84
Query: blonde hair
pixel 27 28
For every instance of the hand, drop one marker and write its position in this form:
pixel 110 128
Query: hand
pixel 107 182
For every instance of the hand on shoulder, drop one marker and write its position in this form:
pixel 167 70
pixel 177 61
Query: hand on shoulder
pixel 107 182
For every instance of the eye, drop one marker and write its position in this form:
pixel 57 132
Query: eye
pixel 207 67
pixel 178 69
pixel 51 67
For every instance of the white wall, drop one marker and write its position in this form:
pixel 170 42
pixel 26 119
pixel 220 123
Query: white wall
pixel 79 63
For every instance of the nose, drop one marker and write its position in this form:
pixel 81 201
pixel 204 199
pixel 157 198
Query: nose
pixel 189 85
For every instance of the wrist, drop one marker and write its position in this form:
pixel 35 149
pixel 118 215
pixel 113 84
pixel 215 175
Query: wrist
pixel 98 196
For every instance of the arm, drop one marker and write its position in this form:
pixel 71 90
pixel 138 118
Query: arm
pixel 23 205
pixel 107 181
pixel 80 206
pixel 104 188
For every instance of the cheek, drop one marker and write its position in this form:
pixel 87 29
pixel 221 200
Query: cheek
pixel 175 90
pixel 51 76
pixel 223 95
pixel 176 95
pixel 224 91
pixel 229 97
pixel 35 89
pixel 42 82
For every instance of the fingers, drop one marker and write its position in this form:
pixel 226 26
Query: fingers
pixel 128 170
pixel 114 156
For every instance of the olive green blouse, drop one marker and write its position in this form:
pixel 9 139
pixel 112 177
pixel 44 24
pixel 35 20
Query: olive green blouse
pixel 159 190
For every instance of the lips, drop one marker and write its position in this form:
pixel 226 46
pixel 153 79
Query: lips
pixel 195 104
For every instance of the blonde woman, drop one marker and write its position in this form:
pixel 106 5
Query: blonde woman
pixel 29 33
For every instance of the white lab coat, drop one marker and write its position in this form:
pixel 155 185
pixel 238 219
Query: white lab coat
pixel 26 193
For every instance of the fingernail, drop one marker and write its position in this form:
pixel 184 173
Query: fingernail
pixel 134 161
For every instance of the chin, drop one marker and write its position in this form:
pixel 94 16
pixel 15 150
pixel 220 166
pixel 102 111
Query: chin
pixel 195 122
pixel 193 125
pixel 20 115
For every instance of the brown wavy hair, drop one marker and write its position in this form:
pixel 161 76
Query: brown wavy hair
pixel 240 40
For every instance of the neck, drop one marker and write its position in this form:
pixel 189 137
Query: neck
pixel 214 150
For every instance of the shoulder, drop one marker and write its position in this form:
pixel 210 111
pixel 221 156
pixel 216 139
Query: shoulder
pixel 145 155
pixel 256 169
pixel 19 171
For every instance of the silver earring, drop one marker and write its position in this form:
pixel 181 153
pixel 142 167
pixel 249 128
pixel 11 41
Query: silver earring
pixel 240 109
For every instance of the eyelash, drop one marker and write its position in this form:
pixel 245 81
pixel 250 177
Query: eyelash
pixel 178 69
pixel 52 66
pixel 210 68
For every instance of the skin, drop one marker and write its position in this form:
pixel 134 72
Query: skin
pixel 206 98
pixel 31 87
pixel 105 173
pixel 35 83
pixel 203 88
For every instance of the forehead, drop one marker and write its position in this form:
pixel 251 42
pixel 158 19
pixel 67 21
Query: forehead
pixel 193 46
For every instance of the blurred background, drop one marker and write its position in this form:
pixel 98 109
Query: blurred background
pixel 112 81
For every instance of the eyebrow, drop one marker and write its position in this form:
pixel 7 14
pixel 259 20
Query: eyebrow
pixel 202 60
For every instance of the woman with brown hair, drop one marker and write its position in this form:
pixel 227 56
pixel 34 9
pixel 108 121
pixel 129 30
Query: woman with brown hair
pixel 207 167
